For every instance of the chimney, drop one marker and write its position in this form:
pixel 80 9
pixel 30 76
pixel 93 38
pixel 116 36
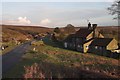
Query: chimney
pixel 89 25
pixel 93 28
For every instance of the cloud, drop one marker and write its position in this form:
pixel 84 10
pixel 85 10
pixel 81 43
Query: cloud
pixel 45 22
pixel 23 20
pixel 18 21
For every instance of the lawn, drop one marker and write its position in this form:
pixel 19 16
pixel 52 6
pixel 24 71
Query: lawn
pixel 61 63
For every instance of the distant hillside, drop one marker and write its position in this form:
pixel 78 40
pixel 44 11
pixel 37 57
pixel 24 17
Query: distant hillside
pixel 21 32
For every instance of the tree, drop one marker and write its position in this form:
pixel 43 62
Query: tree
pixel 69 29
pixel 61 36
pixel 114 9
pixel 57 30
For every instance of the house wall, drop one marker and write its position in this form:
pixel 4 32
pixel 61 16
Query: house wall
pixel 86 46
pixel 79 44
pixel 79 47
pixel 79 40
pixel 98 34
pixel 89 36
pixel 65 45
pixel 112 45
pixel 69 45
pixel 99 50
pixel 72 46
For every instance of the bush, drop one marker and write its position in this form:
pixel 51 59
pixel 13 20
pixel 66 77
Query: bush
pixel 38 43
pixel 33 71
pixel 57 30
pixel 33 52
pixel 61 36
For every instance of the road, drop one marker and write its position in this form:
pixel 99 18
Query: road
pixel 13 57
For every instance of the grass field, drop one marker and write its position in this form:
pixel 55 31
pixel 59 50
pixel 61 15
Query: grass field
pixel 61 63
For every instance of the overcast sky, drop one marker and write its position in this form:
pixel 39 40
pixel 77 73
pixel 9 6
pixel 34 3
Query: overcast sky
pixel 56 14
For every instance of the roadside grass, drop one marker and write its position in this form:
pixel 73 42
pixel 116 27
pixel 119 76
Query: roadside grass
pixel 11 45
pixel 60 62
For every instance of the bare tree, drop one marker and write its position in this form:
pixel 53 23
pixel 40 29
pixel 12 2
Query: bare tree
pixel 114 9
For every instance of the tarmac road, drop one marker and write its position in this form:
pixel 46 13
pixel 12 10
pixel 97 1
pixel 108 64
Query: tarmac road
pixel 13 57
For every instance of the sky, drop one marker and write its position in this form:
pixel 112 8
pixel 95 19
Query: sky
pixel 56 14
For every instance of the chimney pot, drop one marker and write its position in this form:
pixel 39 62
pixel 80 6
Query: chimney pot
pixel 89 25
pixel 94 26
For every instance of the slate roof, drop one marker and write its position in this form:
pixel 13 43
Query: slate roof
pixel 101 41
pixel 83 32
pixel 69 38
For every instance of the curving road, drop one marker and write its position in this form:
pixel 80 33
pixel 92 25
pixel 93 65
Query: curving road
pixel 11 58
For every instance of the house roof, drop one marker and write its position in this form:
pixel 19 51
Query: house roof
pixel 69 38
pixel 101 41
pixel 83 32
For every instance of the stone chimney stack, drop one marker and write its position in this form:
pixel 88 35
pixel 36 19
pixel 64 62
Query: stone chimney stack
pixel 89 25
pixel 93 28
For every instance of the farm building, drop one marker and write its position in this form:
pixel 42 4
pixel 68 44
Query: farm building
pixel 81 39
pixel 90 40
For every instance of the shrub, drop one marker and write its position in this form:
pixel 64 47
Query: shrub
pixel 38 43
pixel 33 72
pixel 57 30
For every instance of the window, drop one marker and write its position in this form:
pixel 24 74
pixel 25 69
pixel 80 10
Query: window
pixel 73 39
pixel 87 47
pixel 100 48
pixel 77 40
pixel 96 47
pixel 65 44
pixel 74 45
pixel 79 46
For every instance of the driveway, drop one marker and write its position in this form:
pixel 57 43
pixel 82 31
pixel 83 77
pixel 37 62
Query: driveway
pixel 11 58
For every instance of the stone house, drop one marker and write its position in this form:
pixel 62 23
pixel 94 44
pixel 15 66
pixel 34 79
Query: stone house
pixel 82 38
pixel 89 40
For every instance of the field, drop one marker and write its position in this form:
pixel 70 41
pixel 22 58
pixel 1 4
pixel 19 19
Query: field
pixel 55 62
